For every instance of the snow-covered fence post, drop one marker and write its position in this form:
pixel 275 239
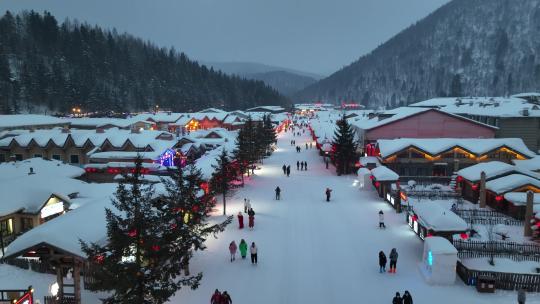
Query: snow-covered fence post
pixel 483 189
pixel 527 231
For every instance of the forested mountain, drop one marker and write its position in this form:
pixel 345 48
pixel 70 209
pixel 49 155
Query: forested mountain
pixel 46 65
pixel 286 81
pixel 467 47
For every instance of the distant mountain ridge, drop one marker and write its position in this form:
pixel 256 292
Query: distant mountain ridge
pixel 465 48
pixel 286 81
pixel 52 66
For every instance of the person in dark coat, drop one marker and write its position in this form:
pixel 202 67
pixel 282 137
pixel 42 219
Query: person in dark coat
pixel 288 170
pixel 225 298
pixel 278 193
pixel 298 165
pixel 407 299
pixel 216 297
pixel 306 146
pixel 305 165
pixel 284 169
pixel 393 260
pixel 302 166
pixel 397 299
pixel 251 218
pixel 382 262
pixel 328 193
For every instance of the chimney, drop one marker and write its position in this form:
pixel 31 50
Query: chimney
pixel 100 130
pixel 31 171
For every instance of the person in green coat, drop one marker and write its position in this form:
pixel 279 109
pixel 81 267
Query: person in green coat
pixel 243 248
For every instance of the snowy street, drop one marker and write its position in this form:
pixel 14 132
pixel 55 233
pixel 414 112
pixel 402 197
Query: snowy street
pixel 311 251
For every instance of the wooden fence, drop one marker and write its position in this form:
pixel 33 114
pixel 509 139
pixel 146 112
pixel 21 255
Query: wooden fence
pixel 497 247
pixel 503 280
pixel 486 217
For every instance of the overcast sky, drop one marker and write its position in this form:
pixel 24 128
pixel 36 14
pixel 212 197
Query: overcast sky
pixel 317 36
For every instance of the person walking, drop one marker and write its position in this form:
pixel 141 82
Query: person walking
pixel 397 299
pixel 407 298
pixel 240 220
pixel 521 296
pixel 225 298
pixel 247 205
pixel 326 162
pixel 232 250
pixel 393 260
pixel 328 193
pixel 297 165
pixel 278 193
pixel 311 145
pixel 305 165
pixel 306 146
pixel 253 251
pixel 284 169
pixel 243 248
pixel 251 219
pixel 381 219
pixel 382 262
pixel 288 170
pixel 302 166
pixel 216 297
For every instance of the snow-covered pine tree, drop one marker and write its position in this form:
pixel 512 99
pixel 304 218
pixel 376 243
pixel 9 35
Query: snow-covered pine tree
pixel 345 147
pixel 222 176
pixel 269 133
pixel 245 147
pixel 150 239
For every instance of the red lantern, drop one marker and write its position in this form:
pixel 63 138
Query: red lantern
pixel 459 179
pixel 155 247
pixel 475 187
pixel 377 184
pixel 371 177
pixel 429 234
pixel 499 198
pixel 132 233
pixel 464 236
pixel 415 218
pixel 99 259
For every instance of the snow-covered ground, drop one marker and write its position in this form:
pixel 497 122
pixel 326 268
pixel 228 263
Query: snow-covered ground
pixel 315 252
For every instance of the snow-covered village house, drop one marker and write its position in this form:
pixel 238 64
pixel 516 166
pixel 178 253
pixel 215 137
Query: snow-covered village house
pixel 515 116
pixel 408 122
pixel 417 157
pixel 31 122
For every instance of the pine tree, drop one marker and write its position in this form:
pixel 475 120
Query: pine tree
pixel 150 239
pixel 269 133
pixel 245 152
pixel 345 148
pixel 222 176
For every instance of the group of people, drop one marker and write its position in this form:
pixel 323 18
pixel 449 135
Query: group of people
pixel 301 165
pixel 293 142
pixel 286 170
pixel 393 261
pixel 405 299
pixel 251 219
pixel 220 298
pixel 243 247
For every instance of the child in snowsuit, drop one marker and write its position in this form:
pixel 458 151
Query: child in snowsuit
pixel 328 192
pixel 381 219
pixel 253 251
pixel 393 260
pixel 382 262
pixel 232 250
pixel 240 220
pixel 397 299
pixel 243 248
pixel 251 218
pixel 407 298
pixel 216 298
pixel 278 193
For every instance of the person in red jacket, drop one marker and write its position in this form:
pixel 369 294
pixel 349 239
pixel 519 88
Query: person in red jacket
pixel 225 298
pixel 216 298
pixel 240 220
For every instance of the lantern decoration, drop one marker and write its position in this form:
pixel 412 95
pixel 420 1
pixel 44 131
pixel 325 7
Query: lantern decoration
pixel 429 234
pixel 499 198
pixel 357 165
pixel 377 184
pixel 464 236
pixel 371 177
pixel 132 232
pixel 415 218
pixel 459 179
pixel 205 187
pixel 403 196
pixel 100 258
pixel 195 208
pixel 167 158
pixel 155 247
pixel 475 187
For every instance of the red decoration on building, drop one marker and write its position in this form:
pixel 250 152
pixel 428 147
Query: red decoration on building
pixel 415 218
pixel 377 184
pixel 99 259
pixel 429 234
pixel 464 236
pixel 155 247
pixel 132 233
pixel 459 179
pixel 371 177
pixel 475 187
pixel 499 198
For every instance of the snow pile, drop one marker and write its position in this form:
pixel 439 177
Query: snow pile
pixel 383 174
pixel 435 146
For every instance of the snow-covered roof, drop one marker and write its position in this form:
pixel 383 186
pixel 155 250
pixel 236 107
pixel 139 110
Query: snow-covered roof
pixel 97 122
pixel 439 245
pixel 435 146
pixel 267 108
pixel 365 160
pixel 511 182
pixel 397 114
pixel 529 94
pixel 435 217
pixel 492 169
pixel 513 106
pixel 162 117
pixel 532 164
pixel 29 120
pixel 520 198
pixel 363 171
pixel 28 192
pixel 382 174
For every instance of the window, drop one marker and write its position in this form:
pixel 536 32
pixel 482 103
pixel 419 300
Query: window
pixel 57 157
pixel 18 157
pixel 38 156
pixel 26 223
pixel 74 158
pixel 6 226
